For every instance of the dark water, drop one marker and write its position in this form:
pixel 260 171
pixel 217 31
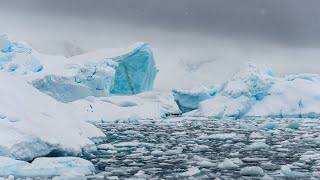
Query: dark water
pixel 167 149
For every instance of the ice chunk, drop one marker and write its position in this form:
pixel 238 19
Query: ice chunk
pixel 146 105
pixel 175 151
pixel 286 171
pixel 191 172
pixel 227 164
pixel 4 43
pixel 258 145
pixel 93 79
pixel 256 135
pixel 10 166
pixel 71 175
pixel 189 100
pixel 206 164
pixel 105 146
pixel 293 125
pixel 56 166
pixel 267 126
pixel 252 171
pixel 222 137
pixel 141 174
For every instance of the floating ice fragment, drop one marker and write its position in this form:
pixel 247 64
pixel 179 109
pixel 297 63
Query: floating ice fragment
pixel 252 171
pixel 286 171
pixel 222 137
pixel 178 150
pixel 227 164
pixel 10 166
pixel 206 164
pixel 268 126
pixel 105 146
pixel 257 146
pixel 256 135
pixel 191 172
pixel 56 166
pixel 71 175
pixel 293 125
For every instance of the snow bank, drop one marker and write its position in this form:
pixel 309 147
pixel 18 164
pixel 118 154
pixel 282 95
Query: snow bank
pixel 45 167
pixel 255 92
pixel 33 124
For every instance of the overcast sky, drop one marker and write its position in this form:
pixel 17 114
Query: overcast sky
pixel 207 39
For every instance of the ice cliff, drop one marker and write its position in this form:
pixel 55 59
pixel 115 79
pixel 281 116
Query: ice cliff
pixel 255 92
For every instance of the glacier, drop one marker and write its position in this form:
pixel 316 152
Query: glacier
pixel 255 92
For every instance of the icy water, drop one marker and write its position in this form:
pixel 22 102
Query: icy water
pixel 181 148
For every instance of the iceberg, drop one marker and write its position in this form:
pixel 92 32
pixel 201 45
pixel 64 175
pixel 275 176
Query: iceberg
pixel 255 92
pixel 101 73
pixel 126 71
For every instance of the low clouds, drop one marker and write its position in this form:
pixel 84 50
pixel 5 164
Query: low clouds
pixel 195 42
pixel 292 22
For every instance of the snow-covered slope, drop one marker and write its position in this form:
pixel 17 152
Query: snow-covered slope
pixel 256 92
pixel 33 124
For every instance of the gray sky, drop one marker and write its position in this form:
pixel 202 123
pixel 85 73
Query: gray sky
pixel 211 37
